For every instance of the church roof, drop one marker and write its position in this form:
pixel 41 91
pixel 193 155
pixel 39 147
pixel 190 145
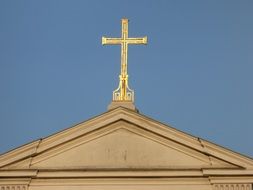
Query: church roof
pixel 123 139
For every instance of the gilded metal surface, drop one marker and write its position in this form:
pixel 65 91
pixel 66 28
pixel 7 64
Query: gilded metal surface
pixel 123 92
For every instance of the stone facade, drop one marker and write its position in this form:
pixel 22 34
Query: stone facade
pixel 122 149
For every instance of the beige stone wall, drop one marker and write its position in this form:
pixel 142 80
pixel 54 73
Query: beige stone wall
pixel 123 184
pixel 125 187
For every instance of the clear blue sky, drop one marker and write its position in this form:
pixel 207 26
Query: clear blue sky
pixel 195 74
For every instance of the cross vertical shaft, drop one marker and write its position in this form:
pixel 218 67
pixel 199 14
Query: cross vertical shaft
pixel 123 92
pixel 124 52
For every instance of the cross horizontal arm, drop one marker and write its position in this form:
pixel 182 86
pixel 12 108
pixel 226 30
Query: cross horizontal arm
pixel 111 40
pixel 143 40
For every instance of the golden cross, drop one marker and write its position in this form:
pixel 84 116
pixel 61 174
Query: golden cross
pixel 123 92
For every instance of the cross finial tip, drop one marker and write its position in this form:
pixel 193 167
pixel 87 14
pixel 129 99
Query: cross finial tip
pixel 103 40
pixel 145 40
pixel 125 19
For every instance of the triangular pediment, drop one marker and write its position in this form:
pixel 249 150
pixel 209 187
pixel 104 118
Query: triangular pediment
pixel 122 139
pixel 123 145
